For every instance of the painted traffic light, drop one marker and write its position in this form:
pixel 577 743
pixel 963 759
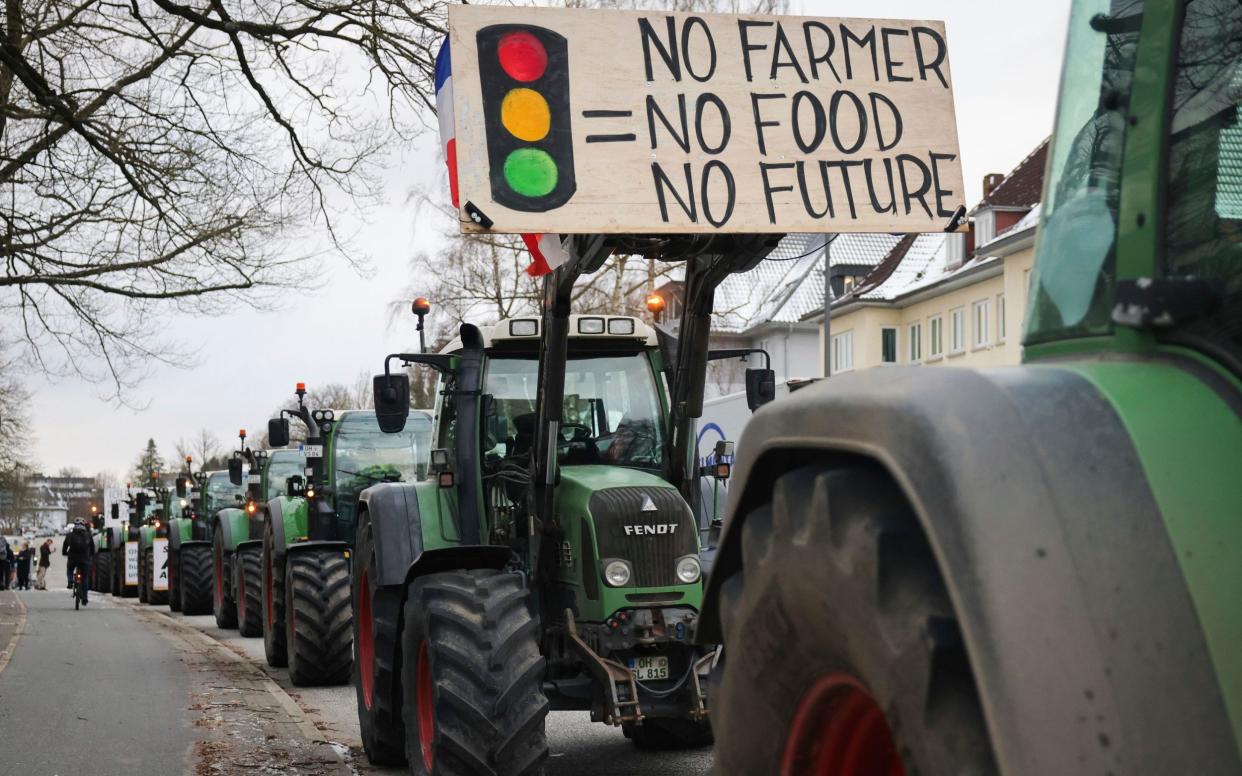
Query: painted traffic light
pixel 524 72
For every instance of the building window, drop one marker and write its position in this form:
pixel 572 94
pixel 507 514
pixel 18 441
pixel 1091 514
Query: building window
pixel 843 352
pixel 957 330
pixel 935 344
pixel 1000 317
pixel 914 333
pixel 888 345
pixel 981 324
pixel 985 227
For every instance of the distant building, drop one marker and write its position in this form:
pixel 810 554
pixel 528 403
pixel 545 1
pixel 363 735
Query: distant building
pixel 51 502
pixel 947 300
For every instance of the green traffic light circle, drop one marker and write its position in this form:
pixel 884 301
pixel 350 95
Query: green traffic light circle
pixel 531 172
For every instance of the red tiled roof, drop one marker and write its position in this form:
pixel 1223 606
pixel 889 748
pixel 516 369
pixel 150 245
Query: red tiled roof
pixel 1023 187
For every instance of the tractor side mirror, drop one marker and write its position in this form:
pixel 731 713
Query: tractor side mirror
pixel 277 433
pixel 760 387
pixel 116 511
pixel 392 401
pixel 235 470
pixel 293 486
pixel 183 487
pixel 97 522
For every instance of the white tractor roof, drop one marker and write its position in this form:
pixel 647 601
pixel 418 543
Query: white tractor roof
pixel 581 327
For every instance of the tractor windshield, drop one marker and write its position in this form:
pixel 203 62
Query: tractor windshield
pixel 281 466
pixel 363 456
pixel 221 493
pixel 1203 232
pixel 1071 292
pixel 612 410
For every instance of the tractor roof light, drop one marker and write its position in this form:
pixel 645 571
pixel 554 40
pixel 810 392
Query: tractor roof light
pixel 420 306
pixel 300 390
pixel 523 327
pixel 655 303
pixel 617 572
pixel 621 326
pixel 590 325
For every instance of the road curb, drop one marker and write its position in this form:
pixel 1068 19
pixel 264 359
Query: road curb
pixel 19 626
pixel 196 637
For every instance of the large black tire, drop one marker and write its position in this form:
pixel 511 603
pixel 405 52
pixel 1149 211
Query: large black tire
pixel 194 585
pixel 118 565
pixel 103 572
pixel 319 636
pixel 667 734
pixel 838 622
pixel 174 580
pixel 248 571
pixel 473 675
pixel 377 656
pixel 273 571
pixel 143 586
pixel 222 604
pixel 154 597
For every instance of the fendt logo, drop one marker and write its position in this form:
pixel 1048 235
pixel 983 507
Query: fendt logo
pixel 650 530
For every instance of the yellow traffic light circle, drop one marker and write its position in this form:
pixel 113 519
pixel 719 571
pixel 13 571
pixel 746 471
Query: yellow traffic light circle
pixel 526 115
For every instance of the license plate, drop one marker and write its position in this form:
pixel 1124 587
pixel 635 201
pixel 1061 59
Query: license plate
pixel 649 668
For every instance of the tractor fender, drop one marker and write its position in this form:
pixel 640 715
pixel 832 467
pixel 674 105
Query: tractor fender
pixel 1072 604
pixel 233 527
pixel 307 546
pixel 288 517
pixel 397 536
pixel 249 544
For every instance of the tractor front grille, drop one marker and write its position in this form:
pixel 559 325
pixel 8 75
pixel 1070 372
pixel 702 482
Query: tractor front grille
pixel 651 540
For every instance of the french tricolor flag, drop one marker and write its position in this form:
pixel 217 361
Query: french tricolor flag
pixel 546 249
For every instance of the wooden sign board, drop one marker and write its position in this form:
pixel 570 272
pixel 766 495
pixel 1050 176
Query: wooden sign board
pixel 584 121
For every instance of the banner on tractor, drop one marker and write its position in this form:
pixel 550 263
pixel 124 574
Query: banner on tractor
pixel 159 556
pixel 595 121
pixel 131 563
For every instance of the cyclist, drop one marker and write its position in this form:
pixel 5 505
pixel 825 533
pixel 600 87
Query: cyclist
pixel 79 548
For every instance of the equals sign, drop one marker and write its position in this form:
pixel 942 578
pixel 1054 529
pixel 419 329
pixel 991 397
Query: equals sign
pixel 609 114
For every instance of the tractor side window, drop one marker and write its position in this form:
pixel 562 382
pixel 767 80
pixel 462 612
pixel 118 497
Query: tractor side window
pixel 364 456
pixel 279 470
pixel 446 417
pixel 1203 230
pixel 1072 293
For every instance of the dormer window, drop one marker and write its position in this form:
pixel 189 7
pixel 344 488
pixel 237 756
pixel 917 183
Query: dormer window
pixel 985 226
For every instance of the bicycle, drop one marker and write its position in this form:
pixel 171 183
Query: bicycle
pixel 79 589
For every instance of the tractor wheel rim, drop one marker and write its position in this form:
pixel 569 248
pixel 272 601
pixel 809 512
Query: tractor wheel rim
pixel 426 709
pixel 366 643
pixel 838 729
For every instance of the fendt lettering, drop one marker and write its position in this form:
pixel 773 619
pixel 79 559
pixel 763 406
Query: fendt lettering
pixel 650 530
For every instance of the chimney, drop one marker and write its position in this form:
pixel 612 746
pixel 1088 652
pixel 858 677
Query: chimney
pixel 990 182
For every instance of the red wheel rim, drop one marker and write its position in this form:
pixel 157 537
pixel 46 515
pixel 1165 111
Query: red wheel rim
pixel 426 709
pixel 839 729
pixel 366 643
pixel 268 603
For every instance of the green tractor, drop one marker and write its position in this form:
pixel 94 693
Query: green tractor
pixel 153 549
pixel 1034 569
pixel 241 529
pixel 552 561
pixel 121 542
pixel 308 534
pixel 189 545
pixel 104 529
pixel 223 499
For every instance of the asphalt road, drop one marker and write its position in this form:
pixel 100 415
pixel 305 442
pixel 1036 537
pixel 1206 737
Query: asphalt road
pixel 90 691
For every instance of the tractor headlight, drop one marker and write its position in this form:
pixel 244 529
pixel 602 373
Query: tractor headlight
pixel 688 569
pixel 617 573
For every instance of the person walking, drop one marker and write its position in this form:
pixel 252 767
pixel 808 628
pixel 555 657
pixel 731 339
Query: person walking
pixel 45 561
pixel 23 566
pixel 5 551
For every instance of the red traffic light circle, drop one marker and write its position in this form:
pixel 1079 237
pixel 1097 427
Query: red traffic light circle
pixel 522 56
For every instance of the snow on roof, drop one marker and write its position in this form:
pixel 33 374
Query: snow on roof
pixel 922 264
pixel 789 283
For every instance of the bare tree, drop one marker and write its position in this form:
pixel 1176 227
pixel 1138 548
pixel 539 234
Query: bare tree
pixel 155 154
pixel 14 419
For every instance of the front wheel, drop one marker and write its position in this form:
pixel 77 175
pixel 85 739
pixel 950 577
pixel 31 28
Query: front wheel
pixel 472 676
pixel 377 659
pixel 248 571
pixel 273 575
pixel 222 605
pixel 870 673
pixel 194 579
pixel 318 633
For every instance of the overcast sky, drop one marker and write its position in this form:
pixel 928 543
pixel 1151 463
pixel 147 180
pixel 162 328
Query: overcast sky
pixel 1005 59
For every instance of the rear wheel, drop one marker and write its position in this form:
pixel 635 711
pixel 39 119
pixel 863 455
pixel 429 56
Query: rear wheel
pixel 195 575
pixel 248 562
pixel 471 676
pixel 273 571
pixel 144 586
pixel 103 572
pixel 861 668
pixel 318 632
pixel 222 604
pixel 377 659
